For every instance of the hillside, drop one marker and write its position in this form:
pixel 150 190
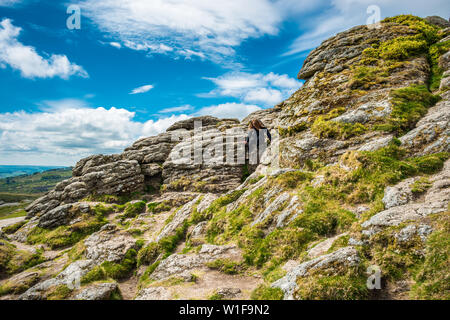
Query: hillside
pixel 18 191
pixel 356 178
pixel 14 170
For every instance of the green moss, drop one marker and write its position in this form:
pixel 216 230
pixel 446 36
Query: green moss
pixel 409 105
pixel 274 271
pixel 378 61
pixel 112 270
pixel 133 209
pixel 148 254
pixel 255 180
pixel 145 278
pixel 224 200
pixel 282 244
pixel 340 242
pixel 215 296
pixel 169 244
pixel 428 31
pixel 107 198
pixel 421 185
pixel 402 48
pixel 292 179
pixel 14 227
pixel 339 287
pixel 226 266
pixel 289 131
pixel 432 278
pixel 430 163
pixel 102 211
pixel 264 292
pixel 157 207
pixel 13 260
pixel 384 167
pixel 322 128
pixel 320 221
pixel 59 292
pixel 435 52
pixel 64 236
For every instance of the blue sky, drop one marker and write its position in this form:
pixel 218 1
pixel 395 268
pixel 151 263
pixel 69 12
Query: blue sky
pixel 135 67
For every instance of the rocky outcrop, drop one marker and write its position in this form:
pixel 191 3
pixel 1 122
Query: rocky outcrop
pixel 100 291
pixel 401 208
pixel 181 265
pixel 352 178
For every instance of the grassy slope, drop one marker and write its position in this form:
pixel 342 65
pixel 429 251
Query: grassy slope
pixel 22 189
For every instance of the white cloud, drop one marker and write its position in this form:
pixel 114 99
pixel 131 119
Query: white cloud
pixel 265 89
pixel 176 109
pixel 66 130
pixel 188 28
pixel 115 45
pixel 28 61
pixel 340 15
pixel 142 89
pixel 63 136
pixel 228 110
pixel 9 3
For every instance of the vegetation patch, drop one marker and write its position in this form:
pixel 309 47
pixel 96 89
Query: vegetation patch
pixel 322 128
pixel 432 277
pixel 112 270
pixel 65 236
pixel 421 185
pixel 157 207
pixel 409 105
pixel 226 266
pixel 13 260
pixel 133 209
pixel 14 227
pixel 338 287
pixel 264 292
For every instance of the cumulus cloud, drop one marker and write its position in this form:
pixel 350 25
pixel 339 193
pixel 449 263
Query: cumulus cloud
pixel 187 28
pixel 228 110
pixel 265 89
pixel 63 136
pixel 66 130
pixel 30 64
pixel 142 89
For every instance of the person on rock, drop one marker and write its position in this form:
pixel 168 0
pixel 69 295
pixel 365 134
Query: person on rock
pixel 258 136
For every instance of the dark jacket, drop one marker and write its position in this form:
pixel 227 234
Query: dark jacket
pixel 269 136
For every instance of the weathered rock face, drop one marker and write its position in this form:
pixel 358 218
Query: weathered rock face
pixel 402 206
pixel 334 92
pixel 347 257
pixel 296 228
pixel 151 162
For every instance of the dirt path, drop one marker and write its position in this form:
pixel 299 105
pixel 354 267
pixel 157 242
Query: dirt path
pixel 8 222
pixel 128 288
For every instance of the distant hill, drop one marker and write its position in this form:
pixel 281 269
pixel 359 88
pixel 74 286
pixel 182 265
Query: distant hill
pixel 35 183
pixel 13 171
pixel 18 191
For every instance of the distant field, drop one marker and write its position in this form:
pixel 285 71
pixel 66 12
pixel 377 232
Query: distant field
pixel 23 189
pixel 36 183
